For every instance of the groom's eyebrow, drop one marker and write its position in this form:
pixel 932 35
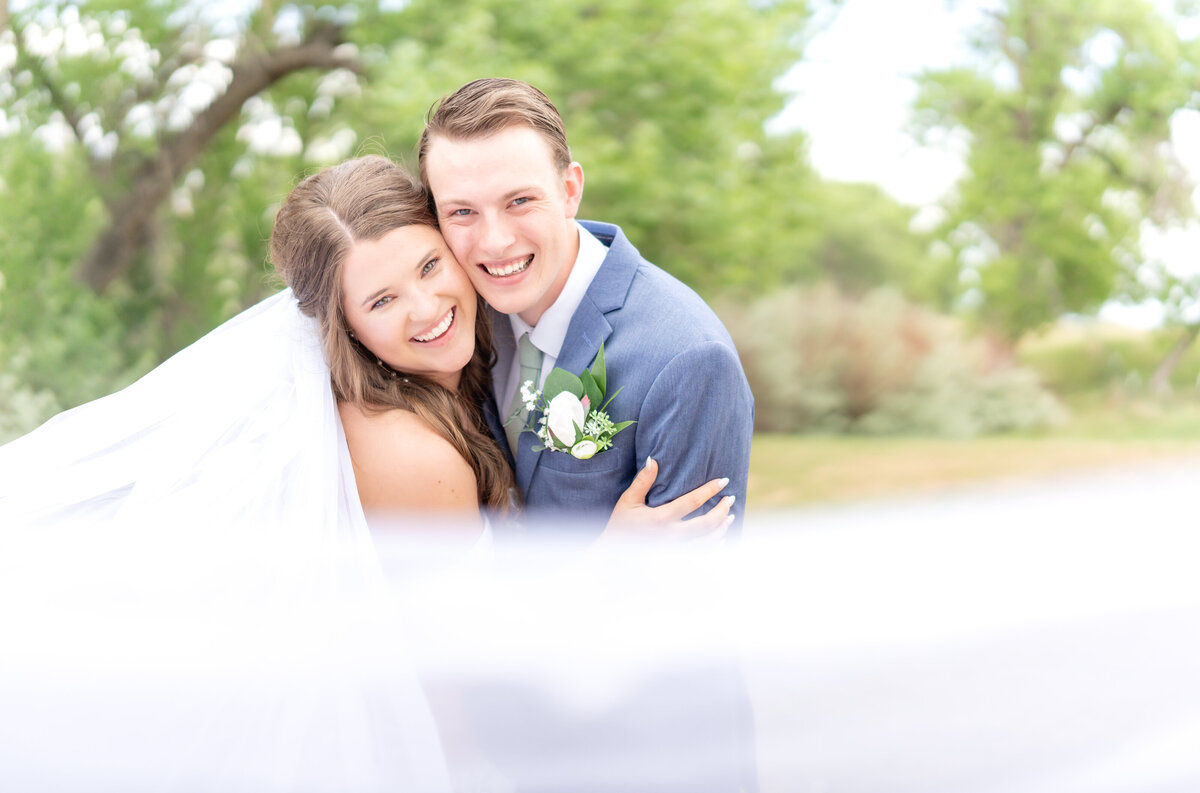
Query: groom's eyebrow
pixel 510 195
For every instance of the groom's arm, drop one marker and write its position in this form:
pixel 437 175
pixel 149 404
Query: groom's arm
pixel 697 421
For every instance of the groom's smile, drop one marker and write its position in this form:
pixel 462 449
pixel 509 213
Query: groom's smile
pixel 508 269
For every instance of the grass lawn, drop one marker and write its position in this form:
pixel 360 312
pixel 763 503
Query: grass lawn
pixel 795 470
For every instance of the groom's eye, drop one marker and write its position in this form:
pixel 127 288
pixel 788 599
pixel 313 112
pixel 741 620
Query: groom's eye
pixel 460 212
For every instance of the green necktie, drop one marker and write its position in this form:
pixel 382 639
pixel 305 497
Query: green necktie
pixel 530 358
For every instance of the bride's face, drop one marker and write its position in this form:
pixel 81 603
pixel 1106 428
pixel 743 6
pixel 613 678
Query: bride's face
pixel 409 302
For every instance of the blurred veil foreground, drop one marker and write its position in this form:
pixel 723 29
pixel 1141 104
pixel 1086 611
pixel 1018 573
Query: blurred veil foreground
pixel 1034 639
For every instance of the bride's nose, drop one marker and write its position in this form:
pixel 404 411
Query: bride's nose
pixel 424 308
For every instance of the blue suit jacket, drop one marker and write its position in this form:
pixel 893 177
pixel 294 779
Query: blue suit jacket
pixel 679 377
pixel 682 381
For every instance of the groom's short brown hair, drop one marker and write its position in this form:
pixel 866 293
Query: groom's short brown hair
pixel 484 107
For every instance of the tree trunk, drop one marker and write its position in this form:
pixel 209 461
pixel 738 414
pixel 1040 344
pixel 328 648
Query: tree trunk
pixel 1160 381
pixel 130 214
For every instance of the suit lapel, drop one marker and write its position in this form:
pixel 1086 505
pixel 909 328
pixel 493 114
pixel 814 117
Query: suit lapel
pixel 588 329
pixel 589 326
pixel 495 425
pixel 502 341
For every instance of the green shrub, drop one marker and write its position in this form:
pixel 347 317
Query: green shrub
pixel 23 408
pixel 819 361
pixel 58 348
pixel 1078 358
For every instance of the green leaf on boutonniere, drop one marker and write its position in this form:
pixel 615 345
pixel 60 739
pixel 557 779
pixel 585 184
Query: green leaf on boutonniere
pixel 591 388
pixel 598 373
pixel 560 380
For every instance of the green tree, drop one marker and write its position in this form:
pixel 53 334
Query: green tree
pixel 865 240
pixel 1065 112
pixel 146 144
pixel 134 189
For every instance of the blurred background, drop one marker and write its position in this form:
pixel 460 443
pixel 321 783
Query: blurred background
pixel 954 241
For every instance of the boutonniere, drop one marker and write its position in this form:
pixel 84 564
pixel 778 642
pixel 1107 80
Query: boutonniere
pixel 569 413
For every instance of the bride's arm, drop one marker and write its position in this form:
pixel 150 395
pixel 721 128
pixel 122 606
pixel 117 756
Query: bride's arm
pixel 403 468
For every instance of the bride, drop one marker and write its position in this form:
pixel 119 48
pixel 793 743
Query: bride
pixel 353 396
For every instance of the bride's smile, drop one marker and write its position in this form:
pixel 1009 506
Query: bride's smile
pixel 437 332
pixel 407 300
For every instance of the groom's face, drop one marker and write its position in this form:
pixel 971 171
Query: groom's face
pixel 508 214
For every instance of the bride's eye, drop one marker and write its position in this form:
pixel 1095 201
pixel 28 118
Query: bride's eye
pixel 430 266
pixel 383 301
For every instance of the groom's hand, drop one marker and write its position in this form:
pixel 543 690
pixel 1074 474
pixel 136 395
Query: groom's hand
pixel 632 517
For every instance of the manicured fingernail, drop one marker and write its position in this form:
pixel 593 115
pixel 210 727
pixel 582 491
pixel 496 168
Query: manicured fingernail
pixel 730 499
pixel 724 482
pixel 729 521
pixel 649 460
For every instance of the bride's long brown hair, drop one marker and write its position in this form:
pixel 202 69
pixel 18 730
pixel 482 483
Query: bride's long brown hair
pixel 319 222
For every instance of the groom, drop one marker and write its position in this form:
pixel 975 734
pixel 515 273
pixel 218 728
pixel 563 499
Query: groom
pixel 495 157
pixel 494 154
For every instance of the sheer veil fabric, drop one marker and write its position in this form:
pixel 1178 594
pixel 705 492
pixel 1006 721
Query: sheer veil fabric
pixel 239 428
pixel 201 608
pixel 169 560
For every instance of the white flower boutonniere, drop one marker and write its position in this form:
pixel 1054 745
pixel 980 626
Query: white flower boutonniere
pixel 569 413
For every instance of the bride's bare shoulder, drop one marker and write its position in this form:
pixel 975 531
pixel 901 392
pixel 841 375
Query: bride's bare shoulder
pixel 402 463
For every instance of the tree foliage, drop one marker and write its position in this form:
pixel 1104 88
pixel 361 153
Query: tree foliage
pixel 665 105
pixel 146 144
pixel 1066 113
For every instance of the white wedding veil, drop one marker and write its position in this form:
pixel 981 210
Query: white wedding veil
pixel 239 428
pixel 169 559
pixel 190 601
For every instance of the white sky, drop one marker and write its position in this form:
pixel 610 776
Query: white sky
pixel 852 95
pixel 853 90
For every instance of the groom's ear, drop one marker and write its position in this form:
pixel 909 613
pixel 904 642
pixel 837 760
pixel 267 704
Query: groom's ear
pixel 573 187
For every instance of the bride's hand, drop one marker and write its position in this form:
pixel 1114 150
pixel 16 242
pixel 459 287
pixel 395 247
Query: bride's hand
pixel 632 516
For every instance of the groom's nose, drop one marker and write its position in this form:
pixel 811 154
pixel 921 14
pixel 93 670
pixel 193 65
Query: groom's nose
pixel 495 237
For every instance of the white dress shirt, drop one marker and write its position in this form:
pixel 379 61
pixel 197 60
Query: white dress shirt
pixel 551 330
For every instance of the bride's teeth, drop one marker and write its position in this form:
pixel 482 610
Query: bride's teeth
pixel 500 272
pixel 441 328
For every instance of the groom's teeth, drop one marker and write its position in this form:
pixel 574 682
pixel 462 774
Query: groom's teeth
pixel 441 328
pixel 511 269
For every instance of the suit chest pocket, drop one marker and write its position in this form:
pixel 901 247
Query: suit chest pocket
pixel 600 464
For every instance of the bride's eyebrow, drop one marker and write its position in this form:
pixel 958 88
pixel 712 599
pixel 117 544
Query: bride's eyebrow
pixel 431 254
pixel 374 297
